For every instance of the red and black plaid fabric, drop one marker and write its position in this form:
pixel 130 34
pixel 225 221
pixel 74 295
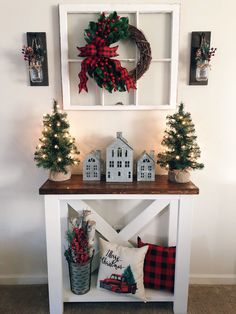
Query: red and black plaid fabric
pixel 159 266
pixel 96 54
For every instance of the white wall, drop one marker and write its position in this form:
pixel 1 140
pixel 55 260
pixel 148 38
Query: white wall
pixel 22 231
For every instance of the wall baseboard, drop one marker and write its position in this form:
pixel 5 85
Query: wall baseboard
pixel 198 279
pixel 212 279
pixel 23 279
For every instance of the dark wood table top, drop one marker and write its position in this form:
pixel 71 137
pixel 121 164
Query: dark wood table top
pixel 76 185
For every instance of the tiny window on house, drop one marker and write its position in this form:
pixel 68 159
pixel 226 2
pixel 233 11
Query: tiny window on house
pixel 126 153
pixel 127 164
pixel 142 175
pixel 146 160
pixel 95 167
pixel 142 168
pixel 119 152
pixel 119 164
pixel 119 173
pixel 87 167
pixel 91 160
pixel 109 174
pixel 149 175
pixel 88 174
pixel 149 168
pixel 129 175
pixel 112 153
pixel 95 174
pixel 111 164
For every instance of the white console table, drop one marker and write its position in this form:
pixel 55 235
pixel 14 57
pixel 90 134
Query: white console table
pixel 162 193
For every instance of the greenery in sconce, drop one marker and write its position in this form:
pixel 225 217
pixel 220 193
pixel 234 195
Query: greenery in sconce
pixel 56 150
pixel 182 150
pixel 204 52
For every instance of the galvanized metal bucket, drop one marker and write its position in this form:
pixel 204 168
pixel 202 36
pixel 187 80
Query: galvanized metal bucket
pixel 80 277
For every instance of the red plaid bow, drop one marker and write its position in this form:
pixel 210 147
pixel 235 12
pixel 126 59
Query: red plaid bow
pixel 97 55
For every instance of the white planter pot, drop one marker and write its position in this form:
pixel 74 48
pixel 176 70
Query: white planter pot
pixel 179 176
pixel 59 176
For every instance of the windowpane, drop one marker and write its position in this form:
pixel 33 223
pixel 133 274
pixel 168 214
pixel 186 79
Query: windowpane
pixel 156 80
pixel 93 97
pixel 157 30
pixel 77 23
pixel 127 48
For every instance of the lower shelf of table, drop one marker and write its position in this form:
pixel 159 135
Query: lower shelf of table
pixel 97 295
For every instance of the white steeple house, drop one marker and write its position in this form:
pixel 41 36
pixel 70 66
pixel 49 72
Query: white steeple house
pixel 119 160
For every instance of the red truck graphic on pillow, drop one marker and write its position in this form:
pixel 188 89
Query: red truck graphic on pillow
pixel 124 283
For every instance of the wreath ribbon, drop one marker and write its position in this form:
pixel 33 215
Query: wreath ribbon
pixel 97 55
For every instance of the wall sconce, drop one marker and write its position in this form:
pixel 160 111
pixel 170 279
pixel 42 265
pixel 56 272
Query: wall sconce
pixel 35 53
pixel 201 55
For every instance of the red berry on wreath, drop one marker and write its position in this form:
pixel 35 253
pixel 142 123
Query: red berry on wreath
pixel 88 34
pixel 113 21
pixel 115 29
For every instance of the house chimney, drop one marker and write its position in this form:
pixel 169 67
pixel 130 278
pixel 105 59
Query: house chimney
pixel 98 153
pixel 119 134
pixel 152 154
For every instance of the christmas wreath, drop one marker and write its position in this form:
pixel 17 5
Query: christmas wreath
pixel 107 72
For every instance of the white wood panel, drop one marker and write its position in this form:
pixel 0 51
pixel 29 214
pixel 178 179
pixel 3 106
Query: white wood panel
pixel 184 228
pixel 142 219
pixel 173 217
pixel 54 257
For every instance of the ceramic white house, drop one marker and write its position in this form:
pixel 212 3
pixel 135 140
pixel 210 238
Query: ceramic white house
pixel 119 160
pixel 146 167
pixel 92 166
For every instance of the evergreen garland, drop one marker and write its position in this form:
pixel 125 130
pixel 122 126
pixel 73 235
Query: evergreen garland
pixel 112 28
pixel 57 149
pixel 180 139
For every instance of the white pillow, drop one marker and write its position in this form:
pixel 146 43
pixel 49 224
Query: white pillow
pixel 121 269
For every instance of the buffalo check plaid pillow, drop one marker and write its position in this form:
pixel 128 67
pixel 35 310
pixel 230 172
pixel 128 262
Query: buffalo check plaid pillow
pixel 159 266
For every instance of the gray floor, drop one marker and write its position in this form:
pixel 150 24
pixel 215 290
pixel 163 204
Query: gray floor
pixel 34 300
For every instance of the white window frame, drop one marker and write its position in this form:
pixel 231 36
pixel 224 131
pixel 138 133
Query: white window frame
pixel 173 9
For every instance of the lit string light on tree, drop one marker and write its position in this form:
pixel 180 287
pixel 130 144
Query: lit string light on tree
pixel 181 150
pixel 56 144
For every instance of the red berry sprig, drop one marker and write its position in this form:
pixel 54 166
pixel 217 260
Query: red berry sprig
pixel 211 53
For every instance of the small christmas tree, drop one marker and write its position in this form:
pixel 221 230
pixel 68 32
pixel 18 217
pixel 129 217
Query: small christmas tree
pixel 180 139
pixel 129 275
pixel 57 149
